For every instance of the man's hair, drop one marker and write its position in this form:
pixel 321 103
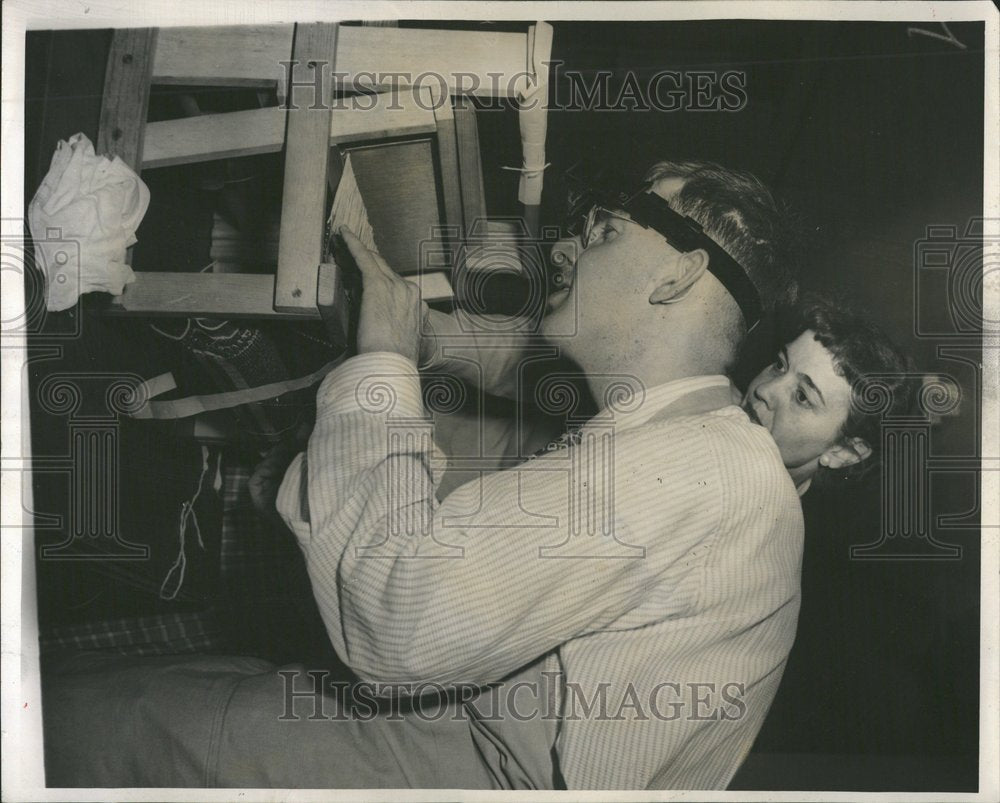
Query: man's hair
pixel 739 212
pixel 861 350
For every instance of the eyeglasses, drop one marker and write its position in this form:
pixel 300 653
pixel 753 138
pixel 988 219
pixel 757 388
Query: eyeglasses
pixel 651 211
pixel 596 217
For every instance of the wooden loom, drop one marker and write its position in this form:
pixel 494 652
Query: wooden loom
pixel 417 160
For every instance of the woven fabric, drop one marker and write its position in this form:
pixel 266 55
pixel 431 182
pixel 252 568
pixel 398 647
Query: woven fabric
pixel 163 634
pixel 214 356
pixel 263 604
pixel 265 600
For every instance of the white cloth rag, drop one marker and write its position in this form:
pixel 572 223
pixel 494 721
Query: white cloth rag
pixel 82 219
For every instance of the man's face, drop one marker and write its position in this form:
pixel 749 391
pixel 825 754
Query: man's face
pixel 610 286
pixel 801 400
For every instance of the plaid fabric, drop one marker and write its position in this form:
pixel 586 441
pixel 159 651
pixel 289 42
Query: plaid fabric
pixel 263 607
pixel 266 597
pixel 143 635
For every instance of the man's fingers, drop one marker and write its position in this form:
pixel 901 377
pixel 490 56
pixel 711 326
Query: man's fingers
pixel 383 264
pixel 368 261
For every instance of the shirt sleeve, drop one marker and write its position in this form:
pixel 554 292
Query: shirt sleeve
pixel 505 569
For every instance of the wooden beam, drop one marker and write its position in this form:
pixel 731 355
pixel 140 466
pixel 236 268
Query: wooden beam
pixel 125 101
pixel 463 59
pixel 126 95
pixel 227 295
pixel 409 112
pixel 232 55
pixel 215 295
pixel 470 167
pixel 448 161
pixel 307 151
pixel 213 136
pixel 245 133
pixel 251 55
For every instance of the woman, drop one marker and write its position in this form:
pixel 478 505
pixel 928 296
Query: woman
pixel 824 396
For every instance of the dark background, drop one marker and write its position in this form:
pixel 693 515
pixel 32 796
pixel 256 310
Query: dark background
pixel 872 134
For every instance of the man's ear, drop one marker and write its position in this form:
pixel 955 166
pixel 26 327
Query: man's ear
pixel 690 267
pixel 846 453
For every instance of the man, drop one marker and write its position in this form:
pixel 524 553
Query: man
pixel 615 614
pixel 675 571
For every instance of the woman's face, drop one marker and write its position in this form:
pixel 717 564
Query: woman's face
pixel 803 401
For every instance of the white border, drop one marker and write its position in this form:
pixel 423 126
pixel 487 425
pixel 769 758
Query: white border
pixel 21 711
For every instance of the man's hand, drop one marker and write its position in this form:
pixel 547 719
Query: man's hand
pixel 269 472
pixel 392 311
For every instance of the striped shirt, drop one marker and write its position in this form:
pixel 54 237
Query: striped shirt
pixel 647 577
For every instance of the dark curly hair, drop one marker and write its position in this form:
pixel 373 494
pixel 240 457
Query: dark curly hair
pixel 866 357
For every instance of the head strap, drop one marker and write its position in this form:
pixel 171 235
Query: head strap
pixel 685 234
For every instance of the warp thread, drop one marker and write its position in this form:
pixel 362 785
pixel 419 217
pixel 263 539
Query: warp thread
pixel 189 515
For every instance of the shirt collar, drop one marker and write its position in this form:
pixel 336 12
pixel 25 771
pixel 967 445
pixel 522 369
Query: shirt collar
pixel 652 400
pixel 647 402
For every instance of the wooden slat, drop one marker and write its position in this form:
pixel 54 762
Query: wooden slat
pixel 303 206
pixel 125 102
pixel 225 295
pixel 126 95
pixel 406 113
pixel 447 53
pixel 252 55
pixel 244 55
pixel 448 160
pixel 221 136
pixel 213 136
pixel 470 168
pixel 216 295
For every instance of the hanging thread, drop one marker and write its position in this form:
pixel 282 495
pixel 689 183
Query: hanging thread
pixel 188 514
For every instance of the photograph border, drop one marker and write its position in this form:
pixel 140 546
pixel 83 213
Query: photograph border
pixel 23 777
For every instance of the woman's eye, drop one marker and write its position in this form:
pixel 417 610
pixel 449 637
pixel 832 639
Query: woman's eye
pixel 801 397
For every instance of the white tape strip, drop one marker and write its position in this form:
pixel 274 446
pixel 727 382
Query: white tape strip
pixel 193 405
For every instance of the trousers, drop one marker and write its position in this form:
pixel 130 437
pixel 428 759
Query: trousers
pixel 221 721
